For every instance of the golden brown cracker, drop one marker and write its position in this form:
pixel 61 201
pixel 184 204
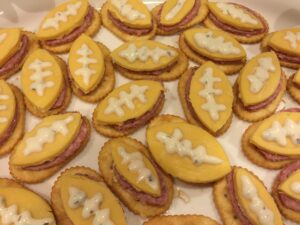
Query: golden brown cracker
pixel 293 89
pixel 105 162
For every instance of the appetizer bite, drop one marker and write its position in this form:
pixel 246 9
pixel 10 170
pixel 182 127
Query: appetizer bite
pixel 174 16
pixel 128 20
pixel 242 198
pixel 128 169
pixel 173 142
pixel 80 197
pixel 181 220
pixel 293 86
pixel 151 60
pixel 259 88
pixel 66 22
pixel 90 69
pixel 15 46
pixel 202 45
pixel 245 24
pixel 273 142
pixel 51 144
pixel 128 107
pixel 206 97
pixel 45 84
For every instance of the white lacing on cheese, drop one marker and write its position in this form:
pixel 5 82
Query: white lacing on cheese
pixel 127 10
pixel 3 107
pixel 3 37
pixel 293 38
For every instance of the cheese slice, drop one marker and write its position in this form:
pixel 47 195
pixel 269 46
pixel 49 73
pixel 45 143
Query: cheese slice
pixel 132 13
pixel 26 200
pixel 214 44
pixel 10 40
pixel 213 110
pixel 169 157
pixel 252 77
pixel 144 55
pixel 291 185
pixel 174 12
pixel 42 79
pixel 90 188
pixel 141 95
pixel 63 19
pixel 27 151
pixel 262 194
pixel 287 41
pixel 86 63
pixel 273 146
pixel 235 16
pixel 7 107
pixel 296 78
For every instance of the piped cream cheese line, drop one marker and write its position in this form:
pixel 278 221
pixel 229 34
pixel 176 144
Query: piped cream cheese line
pixel 175 10
pixel 279 133
pixel 46 135
pixel 135 163
pixel 293 38
pixel 175 144
pixel 3 107
pixel 90 206
pixel 9 215
pixel 127 10
pixel 265 215
pixel 209 93
pixel 3 37
pixel 295 187
pixel 133 53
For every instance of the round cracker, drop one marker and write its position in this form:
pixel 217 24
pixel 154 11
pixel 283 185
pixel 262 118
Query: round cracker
pixel 293 89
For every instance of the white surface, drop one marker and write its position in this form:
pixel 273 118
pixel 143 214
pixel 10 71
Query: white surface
pixel 28 14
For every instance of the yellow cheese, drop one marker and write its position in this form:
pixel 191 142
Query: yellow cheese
pixel 86 63
pixel 51 149
pixel 269 86
pixel 63 19
pixel 262 193
pixel 153 89
pixel 287 185
pixel 26 200
pixel 134 13
pixel 91 188
pixel 225 98
pixel 233 19
pixel 172 13
pixel 287 41
pixel 8 103
pixel 290 149
pixel 296 78
pixel 9 43
pixel 132 176
pixel 39 69
pixel 183 167
pixel 215 55
pixel 133 55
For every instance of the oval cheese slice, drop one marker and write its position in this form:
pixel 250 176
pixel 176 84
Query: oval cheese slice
pixel 128 101
pixel 47 139
pixel 144 55
pixel 90 188
pixel 201 160
pixel 42 79
pixel 211 96
pixel 133 13
pixel 7 106
pixel 9 43
pixel 279 134
pixel 249 191
pixel 86 63
pixel 214 44
pixel 235 15
pixel 174 12
pixel 63 19
pixel 259 79
pixel 291 186
pixel 287 41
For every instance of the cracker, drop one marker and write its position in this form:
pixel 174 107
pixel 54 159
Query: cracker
pixel 105 162
pixel 251 152
pixel 119 33
pixel 228 68
pixel 68 96
pixel 18 132
pixel 90 31
pixel 28 176
pixel 165 118
pixel 293 89
pixel 106 84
